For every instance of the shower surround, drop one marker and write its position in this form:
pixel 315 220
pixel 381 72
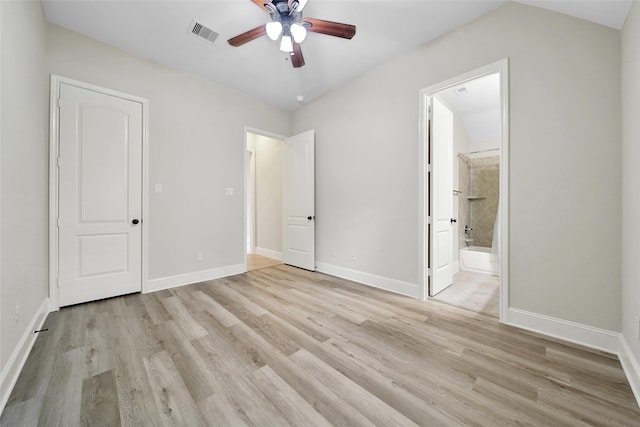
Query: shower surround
pixel 479 181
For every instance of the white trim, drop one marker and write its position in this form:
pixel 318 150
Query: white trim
pixel 269 253
pixel 501 67
pixel 13 367
pixel 391 285
pixel 145 195
pixel 631 366
pixel 589 336
pixel 195 277
pixel 54 143
pixel 578 333
pixel 250 200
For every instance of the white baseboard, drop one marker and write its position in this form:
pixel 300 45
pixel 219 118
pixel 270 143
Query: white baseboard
pixel 14 365
pixel 268 253
pixel 631 366
pixel 191 278
pixel 578 333
pixel 392 285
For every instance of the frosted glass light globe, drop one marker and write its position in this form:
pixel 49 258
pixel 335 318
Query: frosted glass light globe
pixel 273 30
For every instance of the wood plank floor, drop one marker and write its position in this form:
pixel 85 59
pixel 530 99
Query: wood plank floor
pixel 282 346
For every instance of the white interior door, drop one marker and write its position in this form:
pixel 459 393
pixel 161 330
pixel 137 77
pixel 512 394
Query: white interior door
pixel 441 197
pixel 299 200
pixel 99 196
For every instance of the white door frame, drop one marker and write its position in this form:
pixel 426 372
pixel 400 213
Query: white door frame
pixel 247 130
pixel 250 200
pixel 501 67
pixel 54 149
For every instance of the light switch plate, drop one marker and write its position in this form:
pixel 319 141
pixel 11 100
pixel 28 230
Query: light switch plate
pixel 158 188
pixel 228 191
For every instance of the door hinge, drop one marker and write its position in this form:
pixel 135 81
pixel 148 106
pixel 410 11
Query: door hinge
pixel 428 220
pixel 58 162
pixel 429 272
pixel 429 168
pixel 58 221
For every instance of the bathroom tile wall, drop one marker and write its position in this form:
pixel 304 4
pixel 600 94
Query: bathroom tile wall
pixel 484 178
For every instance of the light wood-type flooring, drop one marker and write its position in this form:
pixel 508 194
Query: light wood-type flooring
pixel 282 346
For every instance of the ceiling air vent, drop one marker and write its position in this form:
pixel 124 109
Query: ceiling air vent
pixel 200 31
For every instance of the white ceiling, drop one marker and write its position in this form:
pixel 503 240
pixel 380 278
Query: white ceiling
pixel 158 30
pixel 474 96
pixel 477 104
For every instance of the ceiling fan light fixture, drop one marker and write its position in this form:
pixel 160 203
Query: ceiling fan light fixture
pixel 274 29
pixel 299 32
pixel 288 24
pixel 301 5
pixel 286 45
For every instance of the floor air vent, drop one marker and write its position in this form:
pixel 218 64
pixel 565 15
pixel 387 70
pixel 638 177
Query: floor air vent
pixel 200 31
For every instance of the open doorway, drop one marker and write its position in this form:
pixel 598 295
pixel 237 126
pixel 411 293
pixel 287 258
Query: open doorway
pixel 465 193
pixel 264 153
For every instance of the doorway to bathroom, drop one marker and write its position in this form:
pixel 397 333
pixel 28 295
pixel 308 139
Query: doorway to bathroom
pixel 464 193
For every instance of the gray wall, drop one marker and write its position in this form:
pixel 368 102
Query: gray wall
pixel 631 178
pixel 24 150
pixel 196 150
pixel 564 160
pixel 565 154
pixel 269 193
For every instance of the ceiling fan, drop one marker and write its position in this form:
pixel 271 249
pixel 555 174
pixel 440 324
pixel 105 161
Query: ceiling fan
pixel 287 21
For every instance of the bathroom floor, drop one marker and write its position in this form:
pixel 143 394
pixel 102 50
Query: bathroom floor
pixel 473 291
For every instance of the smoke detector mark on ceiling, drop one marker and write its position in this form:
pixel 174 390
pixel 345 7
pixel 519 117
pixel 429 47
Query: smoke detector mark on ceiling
pixel 461 91
pixel 200 31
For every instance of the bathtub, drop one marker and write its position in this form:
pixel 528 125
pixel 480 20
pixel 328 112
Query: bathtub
pixel 479 260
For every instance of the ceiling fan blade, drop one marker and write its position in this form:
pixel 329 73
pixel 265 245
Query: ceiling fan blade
pixel 297 4
pixel 329 28
pixel 296 56
pixel 246 37
pixel 262 3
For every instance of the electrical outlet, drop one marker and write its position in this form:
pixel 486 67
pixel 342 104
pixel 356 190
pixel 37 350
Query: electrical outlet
pixel 353 256
pixel 16 315
pixel 198 256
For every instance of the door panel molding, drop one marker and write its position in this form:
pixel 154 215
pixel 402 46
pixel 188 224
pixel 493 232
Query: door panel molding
pixel 441 146
pixel 54 150
pixel 298 181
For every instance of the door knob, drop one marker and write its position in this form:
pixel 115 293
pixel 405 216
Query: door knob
pixel 310 217
pixel 135 222
pixel 453 220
